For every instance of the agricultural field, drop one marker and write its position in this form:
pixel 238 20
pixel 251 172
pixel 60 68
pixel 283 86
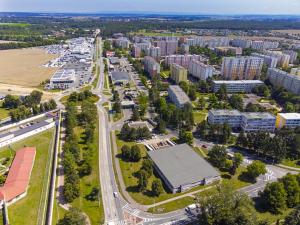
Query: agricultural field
pixel 34 204
pixel 24 67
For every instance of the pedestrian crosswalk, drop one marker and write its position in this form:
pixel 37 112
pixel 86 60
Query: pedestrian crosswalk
pixel 136 213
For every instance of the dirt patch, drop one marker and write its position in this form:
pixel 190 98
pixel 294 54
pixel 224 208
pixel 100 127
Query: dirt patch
pixel 25 66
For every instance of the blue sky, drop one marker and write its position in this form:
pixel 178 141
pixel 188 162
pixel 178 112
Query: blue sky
pixel 170 6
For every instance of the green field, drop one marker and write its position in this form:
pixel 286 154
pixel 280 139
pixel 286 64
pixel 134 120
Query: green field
pixel 157 34
pixel 15 24
pixel 172 206
pixel 200 116
pixel 34 204
pixel 4 113
pixel 95 82
pixel 94 209
pixel 291 163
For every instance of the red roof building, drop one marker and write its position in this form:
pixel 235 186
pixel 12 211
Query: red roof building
pixel 15 186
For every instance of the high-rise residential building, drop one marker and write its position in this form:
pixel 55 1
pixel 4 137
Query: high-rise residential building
pixel 270 61
pixel 178 96
pixel 122 42
pixel 136 51
pixel 293 55
pixel 283 79
pixel 197 41
pixel 151 66
pixel 217 42
pixel 289 120
pixel 182 60
pixel 295 71
pixel 242 43
pixel 241 68
pixel 154 52
pixel 178 73
pixel 167 47
pixel 264 45
pixel 236 86
pixel 283 59
pixel 200 70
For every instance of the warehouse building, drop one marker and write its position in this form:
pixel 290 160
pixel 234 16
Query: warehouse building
pixel 182 169
pixel 120 77
pixel 63 79
pixel 236 86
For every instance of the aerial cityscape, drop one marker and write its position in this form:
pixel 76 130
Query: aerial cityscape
pixel 139 112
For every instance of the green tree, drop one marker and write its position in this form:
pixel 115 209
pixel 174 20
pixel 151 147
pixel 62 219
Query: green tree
pixel 201 102
pixel 73 217
pixel 157 187
pixel 186 137
pixel 242 140
pixel 222 93
pixel 255 169
pixel 135 114
pixel 218 156
pixel 293 218
pixel 236 102
pixel 292 189
pixel 274 197
pixel 135 153
pixel 143 180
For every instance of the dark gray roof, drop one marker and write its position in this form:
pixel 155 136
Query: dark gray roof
pixel 181 165
pixel 119 76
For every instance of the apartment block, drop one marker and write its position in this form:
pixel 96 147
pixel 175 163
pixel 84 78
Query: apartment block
pixel 178 96
pixel 283 59
pixel 264 45
pixel 167 47
pixel 198 41
pixel 200 70
pixel 254 122
pixel 232 117
pixel 182 60
pixel 154 52
pixel 289 120
pixel 241 68
pixel 270 61
pixel 293 55
pixel 283 79
pixel 151 66
pixel 242 43
pixel 178 73
pixel 225 50
pixel 236 86
pixel 122 42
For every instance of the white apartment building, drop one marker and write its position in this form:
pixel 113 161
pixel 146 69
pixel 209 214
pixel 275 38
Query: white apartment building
pixel 200 70
pixel 283 79
pixel 178 96
pixel 254 122
pixel 63 79
pixel 283 59
pixel 122 42
pixel 154 52
pixel 236 86
pixel 198 41
pixel 242 43
pixel 270 61
pixel 264 45
pixel 290 120
pixel 167 47
pixel 151 66
pixel 232 117
pixel 293 55
pixel 241 68
pixel 182 60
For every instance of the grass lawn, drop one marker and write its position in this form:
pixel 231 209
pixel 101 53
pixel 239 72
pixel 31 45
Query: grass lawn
pixel 106 83
pixel 94 209
pixel 200 116
pixel 165 74
pixel 291 163
pixel 34 204
pixel 117 116
pixel 128 171
pixel 172 206
pixel 94 98
pixel 3 111
pixel 95 82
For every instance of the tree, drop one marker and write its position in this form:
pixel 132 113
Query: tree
pixel 201 102
pixel 236 102
pixel 186 137
pixel 242 140
pixel 161 126
pixel 184 86
pixel 236 162
pixel 117 107
pixel 73 217
pixel 126 152
pixel 217 156
pixel 143 180
pixel 292 189
pixel 274 197
pixel 157 187
pixel 192 93
pixel 135 114
pixel 135 153
pixel 147 165
pixel 293 218
pixel 255 169
pixel 222 93
pixel 227 207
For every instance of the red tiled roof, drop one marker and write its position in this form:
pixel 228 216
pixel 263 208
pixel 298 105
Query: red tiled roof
pixel 19 174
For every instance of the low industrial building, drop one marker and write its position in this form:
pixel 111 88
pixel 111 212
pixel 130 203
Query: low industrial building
pixel 247 121
pixel 17 181
pixel 120 77
pixel 181 168
pixel 63 79
pixel 178 96
pixel 289 120
pixel 236 86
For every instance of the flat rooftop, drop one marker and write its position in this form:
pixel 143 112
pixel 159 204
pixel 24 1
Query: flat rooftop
pixel 180 165
pixel 290 116
pixel 64 75
pixel 180 94
pixel 238 82
pixel 119 76
pixel 258 115
pixel 224 112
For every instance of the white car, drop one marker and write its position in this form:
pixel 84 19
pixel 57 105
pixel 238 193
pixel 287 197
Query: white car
pixel 115 194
